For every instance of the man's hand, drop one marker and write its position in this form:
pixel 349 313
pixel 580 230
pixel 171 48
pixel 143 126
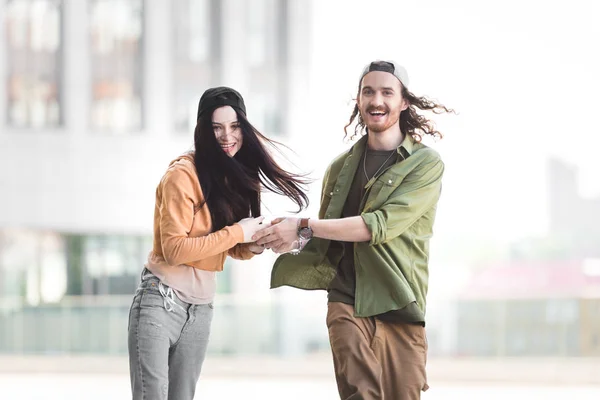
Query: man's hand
pixel 281 236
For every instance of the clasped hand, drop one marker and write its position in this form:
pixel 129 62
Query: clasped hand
pixel 281 236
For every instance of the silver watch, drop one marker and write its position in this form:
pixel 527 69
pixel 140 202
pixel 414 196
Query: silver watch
pixel 298 248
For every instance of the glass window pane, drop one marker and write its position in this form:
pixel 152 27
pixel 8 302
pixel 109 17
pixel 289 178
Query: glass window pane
pixel 195 23
pixel 266 36
pixel 116 45
pixel 114 263
pixel 33 34
pixel 53 267
pixel 198 45
pixel 258 29
pixel 33 265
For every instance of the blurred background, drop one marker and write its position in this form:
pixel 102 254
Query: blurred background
pixel 97 96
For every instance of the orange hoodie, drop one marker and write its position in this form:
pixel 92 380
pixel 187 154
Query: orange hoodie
pixel 185 253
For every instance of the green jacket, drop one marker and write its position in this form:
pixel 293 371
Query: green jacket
pixel 399 210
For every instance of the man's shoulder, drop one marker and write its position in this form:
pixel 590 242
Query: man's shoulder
pixel 340 158
pixel 338 162
pixel 424 153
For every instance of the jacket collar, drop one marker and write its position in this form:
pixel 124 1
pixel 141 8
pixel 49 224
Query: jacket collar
pixel 407 145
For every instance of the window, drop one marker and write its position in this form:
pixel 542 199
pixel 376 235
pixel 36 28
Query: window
pixel 43 267
pixel 43 276
pixel 113 264
pixel 196 50
pixel 116 50
pixel 266 26
pixel 32 265
pixel 258 30
pixel 33 33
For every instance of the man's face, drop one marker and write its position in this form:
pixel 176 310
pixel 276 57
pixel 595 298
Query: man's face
pixel 380 101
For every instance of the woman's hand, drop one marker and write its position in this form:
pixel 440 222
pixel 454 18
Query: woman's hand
pixel 250 226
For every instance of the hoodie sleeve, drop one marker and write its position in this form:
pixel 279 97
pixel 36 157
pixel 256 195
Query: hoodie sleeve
pixel 177 217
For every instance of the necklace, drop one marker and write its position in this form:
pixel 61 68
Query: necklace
pixel 365 165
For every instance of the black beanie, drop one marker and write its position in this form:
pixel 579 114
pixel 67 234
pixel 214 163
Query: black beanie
pixel 220 96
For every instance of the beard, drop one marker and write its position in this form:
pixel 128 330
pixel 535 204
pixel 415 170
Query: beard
pixel 381 124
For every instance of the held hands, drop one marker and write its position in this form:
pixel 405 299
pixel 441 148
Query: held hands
pixel 255 248
pixel 250 226
pixel 281 236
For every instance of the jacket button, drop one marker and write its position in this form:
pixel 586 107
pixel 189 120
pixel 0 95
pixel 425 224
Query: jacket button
pixel 390 182
pixel 331 194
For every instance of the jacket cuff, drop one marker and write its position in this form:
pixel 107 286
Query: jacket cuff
pixel 237 232
pixel 373 226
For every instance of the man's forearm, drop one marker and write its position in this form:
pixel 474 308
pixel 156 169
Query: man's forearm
pixel 351 229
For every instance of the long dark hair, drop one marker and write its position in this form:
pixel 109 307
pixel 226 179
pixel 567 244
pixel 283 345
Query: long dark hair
pixel 411 123
pixel 232 185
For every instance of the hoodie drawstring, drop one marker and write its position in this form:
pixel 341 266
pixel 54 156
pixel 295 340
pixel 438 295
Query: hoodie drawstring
pixel 168 297
pixel 165 291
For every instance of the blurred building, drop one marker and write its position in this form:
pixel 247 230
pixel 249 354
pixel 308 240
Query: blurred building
pixel 531 309
pixel 545 301
pixel 99 96
pixel 573 218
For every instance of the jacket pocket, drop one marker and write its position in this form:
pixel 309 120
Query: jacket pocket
pixel 381 190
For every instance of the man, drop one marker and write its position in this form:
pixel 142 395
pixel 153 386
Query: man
pixel 370 244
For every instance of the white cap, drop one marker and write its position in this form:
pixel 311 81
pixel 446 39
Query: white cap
pixel 387 66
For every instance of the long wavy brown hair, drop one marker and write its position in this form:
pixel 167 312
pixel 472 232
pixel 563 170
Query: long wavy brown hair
pixel 411 122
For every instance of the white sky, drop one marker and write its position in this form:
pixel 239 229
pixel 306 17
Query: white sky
pixel 522 74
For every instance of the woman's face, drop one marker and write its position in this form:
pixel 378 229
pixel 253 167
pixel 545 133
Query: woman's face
pixel 227 130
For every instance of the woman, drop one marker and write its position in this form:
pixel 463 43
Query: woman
pixel 207 207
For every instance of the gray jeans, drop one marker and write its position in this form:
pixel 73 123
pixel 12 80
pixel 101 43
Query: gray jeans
pixel 167 342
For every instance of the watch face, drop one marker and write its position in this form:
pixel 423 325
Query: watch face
pixel 305 233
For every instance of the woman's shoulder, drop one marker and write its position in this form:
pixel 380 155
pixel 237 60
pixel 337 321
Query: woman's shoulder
pixel 182 165
pixel 181 171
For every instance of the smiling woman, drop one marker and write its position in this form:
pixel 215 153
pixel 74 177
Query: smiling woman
pixel 231 178
pixel 207 208
pixel 227 130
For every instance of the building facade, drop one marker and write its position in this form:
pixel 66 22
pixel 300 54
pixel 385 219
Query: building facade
pixel 97 97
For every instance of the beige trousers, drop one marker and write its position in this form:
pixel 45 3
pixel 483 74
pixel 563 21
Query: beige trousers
pixel 375 359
